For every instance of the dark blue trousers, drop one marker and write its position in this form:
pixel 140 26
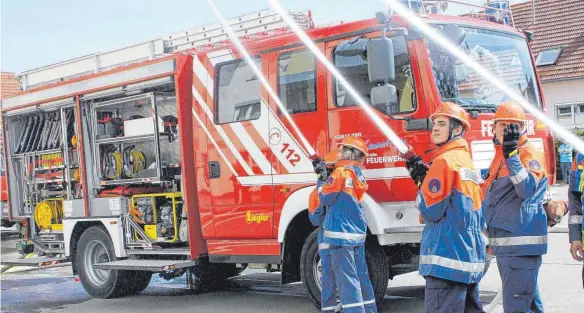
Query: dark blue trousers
pixel 519 276
pixel 446 296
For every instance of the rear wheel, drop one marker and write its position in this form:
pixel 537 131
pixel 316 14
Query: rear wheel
pixel 139 281
pixel 212 276
pixel 96 247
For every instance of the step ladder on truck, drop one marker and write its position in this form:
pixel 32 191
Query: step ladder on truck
pixel 175 161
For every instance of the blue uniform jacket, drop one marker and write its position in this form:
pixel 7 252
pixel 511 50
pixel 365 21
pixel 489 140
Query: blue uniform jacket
pixel 575 222
pixel 344 223
pixel 514 193
pixel 452 246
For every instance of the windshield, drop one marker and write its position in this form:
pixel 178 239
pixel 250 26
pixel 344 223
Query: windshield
pixel 506 56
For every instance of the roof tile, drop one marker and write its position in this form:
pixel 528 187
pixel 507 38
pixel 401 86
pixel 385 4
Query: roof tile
pixel 557 24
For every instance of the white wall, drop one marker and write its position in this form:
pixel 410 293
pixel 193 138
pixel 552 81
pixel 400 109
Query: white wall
pixel 565 92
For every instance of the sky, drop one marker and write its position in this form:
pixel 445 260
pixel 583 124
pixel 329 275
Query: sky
pixel 35 33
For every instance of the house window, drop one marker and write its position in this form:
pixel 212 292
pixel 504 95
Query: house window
pixel 548 57
pixel 297 81
pixel 565 111
pixel 238 95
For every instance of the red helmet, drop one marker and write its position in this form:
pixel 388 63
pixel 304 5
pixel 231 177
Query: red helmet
pixel 355 142
pixel 454 111
pixel 510 111
pixel 331 158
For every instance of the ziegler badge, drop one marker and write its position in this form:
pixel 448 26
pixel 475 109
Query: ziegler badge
pixel 434 185
pixel 257 218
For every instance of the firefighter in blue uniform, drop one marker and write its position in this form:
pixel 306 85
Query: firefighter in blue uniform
pixel 513 200
pixel 452 252
pixel 345 229
pixel 575 220
pixel 317 212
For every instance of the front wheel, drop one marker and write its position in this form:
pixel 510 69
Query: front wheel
pixel 311 269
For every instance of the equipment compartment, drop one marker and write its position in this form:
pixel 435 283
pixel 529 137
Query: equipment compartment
pixel 128 146
pixel 43 160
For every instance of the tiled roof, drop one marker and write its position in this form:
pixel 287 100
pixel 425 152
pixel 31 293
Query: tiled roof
pixel 9 86
pixel 558 24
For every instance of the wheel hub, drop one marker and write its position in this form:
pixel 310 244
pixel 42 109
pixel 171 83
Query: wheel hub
pixel 96 254
pixel 317 270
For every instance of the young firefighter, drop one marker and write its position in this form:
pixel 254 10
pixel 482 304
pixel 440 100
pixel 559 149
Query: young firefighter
pixel 345 229
pixel 513 199
pixel 317 212
pixel 452 252
pixel 575 221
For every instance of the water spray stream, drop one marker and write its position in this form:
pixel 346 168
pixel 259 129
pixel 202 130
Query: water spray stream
pixel 309 149
pixel 438 39
pixel 385 129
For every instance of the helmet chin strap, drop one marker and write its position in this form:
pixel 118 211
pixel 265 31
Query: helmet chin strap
pixel 451 135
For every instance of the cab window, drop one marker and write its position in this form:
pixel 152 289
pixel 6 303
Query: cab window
pixel 354 69
pixel 238 95
pixel 297 81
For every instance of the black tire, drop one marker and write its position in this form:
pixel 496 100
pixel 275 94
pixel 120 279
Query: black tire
pixel 213 276
pixel 116 284
pixel 377 265
pixel 379 271
pixel 309 253
pixel 139 281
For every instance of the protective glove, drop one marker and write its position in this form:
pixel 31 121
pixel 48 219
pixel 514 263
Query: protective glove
pixel 511 139
pixel 316 162
pixel 417 169
pixel 320 170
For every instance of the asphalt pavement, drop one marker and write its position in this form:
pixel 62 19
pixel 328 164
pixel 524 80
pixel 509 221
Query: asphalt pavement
pixel 56 290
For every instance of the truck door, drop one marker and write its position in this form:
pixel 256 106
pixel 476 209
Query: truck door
pixel 297 77
pixel 240 181
pixel 385 171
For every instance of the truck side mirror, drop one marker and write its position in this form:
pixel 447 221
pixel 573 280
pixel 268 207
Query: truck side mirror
pixel 384 96
pixel 380 61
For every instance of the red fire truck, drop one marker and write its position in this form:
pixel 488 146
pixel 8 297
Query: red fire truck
pixel 170 157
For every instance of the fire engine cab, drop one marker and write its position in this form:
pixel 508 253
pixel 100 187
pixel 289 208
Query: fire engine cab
pixel 170 157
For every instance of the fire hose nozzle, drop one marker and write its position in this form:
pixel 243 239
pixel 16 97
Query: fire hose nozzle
pixel 314 157
pixel 409 154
